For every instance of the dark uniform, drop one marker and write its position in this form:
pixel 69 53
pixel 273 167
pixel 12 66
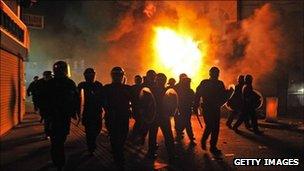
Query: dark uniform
pixel 136 88
pixel 117 99
pixel 250 103
pixel 62 105
pixel 149 82
pixel 32 91
pixel 236 103
pixel 92 109
pixel 42 100
pixel 185 103
pixel 214 95
pixel 162 120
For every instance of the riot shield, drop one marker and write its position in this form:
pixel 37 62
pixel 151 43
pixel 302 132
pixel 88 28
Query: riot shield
pixel 257 101
pixel 146 106
pixel 170 102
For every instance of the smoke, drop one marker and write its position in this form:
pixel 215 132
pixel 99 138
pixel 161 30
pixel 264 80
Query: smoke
pixel 108 34
pixel 261 42
pixel 252 46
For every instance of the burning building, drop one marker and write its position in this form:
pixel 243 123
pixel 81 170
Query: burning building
pixel 14 51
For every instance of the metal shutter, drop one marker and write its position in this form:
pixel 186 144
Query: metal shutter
pixel 10 90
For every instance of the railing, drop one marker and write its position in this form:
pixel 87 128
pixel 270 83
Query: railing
pixel 12 26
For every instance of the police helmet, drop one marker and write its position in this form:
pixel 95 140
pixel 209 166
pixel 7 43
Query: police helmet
pixel 60 68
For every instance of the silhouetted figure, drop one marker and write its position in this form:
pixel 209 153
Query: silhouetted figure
pixel 250 103
pixel 162 120
pixel 32 91
pixel 117 100
pixel 214 95
pixel 92 108
pixel 180 134
pixel 149 82
pixel 185 103
pixel 181 77
pixel 149 79
pixel 236 103
pixel 171 83
pixel 42 100
pixel 62 105
pixel 136 88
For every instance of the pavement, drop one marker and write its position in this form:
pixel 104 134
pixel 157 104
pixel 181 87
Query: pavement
pixel 25 148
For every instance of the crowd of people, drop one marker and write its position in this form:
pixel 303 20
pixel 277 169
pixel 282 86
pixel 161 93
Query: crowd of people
pixel 58 99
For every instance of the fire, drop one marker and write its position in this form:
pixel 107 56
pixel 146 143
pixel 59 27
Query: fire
pixel 177 53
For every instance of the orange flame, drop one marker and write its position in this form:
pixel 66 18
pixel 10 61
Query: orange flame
pixel 177 53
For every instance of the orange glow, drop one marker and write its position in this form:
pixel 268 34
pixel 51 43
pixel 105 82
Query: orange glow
pixel 177 53
pixel 271 109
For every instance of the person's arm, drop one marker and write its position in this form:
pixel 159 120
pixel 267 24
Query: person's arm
pixel 29 89
pixel 197 98
pixel 78 111
pixel 75 97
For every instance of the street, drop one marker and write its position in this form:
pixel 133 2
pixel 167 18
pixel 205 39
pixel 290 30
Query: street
pixel 25 148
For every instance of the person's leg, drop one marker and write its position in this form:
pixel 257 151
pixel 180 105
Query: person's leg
pixel 152 139
pixel 168 136
pixel 57 150
pixel 239 121
pixel 34 100
pixel 215 130
pixel 207 130
pixel 178 126
pixel 247 122
pixel 91 134
pixel 254 121
pixel 188 126
pixel 230 118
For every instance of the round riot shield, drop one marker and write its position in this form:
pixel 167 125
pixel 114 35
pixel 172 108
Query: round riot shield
pixel 146 105
pixel 257 100
pixel 170 102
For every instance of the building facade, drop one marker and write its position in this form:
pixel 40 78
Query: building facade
pixel 13 52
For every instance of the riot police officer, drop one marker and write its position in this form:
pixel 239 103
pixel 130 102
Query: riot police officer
pixel 92 107
pixel 42 100
pixel 171 83
pixel 236 103
pixel 63 104
pixel 117 99
pixel 136 88
pixel 214 95
pixel 250 103
pixel 32 91
pixel 149 80
pixel 185 103
pixel 162 120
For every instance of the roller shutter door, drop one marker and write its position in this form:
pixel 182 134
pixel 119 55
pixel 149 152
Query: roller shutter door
pixel 10 85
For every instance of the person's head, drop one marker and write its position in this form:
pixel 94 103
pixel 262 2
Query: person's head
pixel 241 79
pixel 182 76
pixel 248 79
pixel 138 79
pixel 214 73
pixel 36 78
pixel 161 80
pixel 117 74
pixel 186 82
pixel 89 75
pixel 150 76
pixel 47 75
pixel 60 68
pixel 171 82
